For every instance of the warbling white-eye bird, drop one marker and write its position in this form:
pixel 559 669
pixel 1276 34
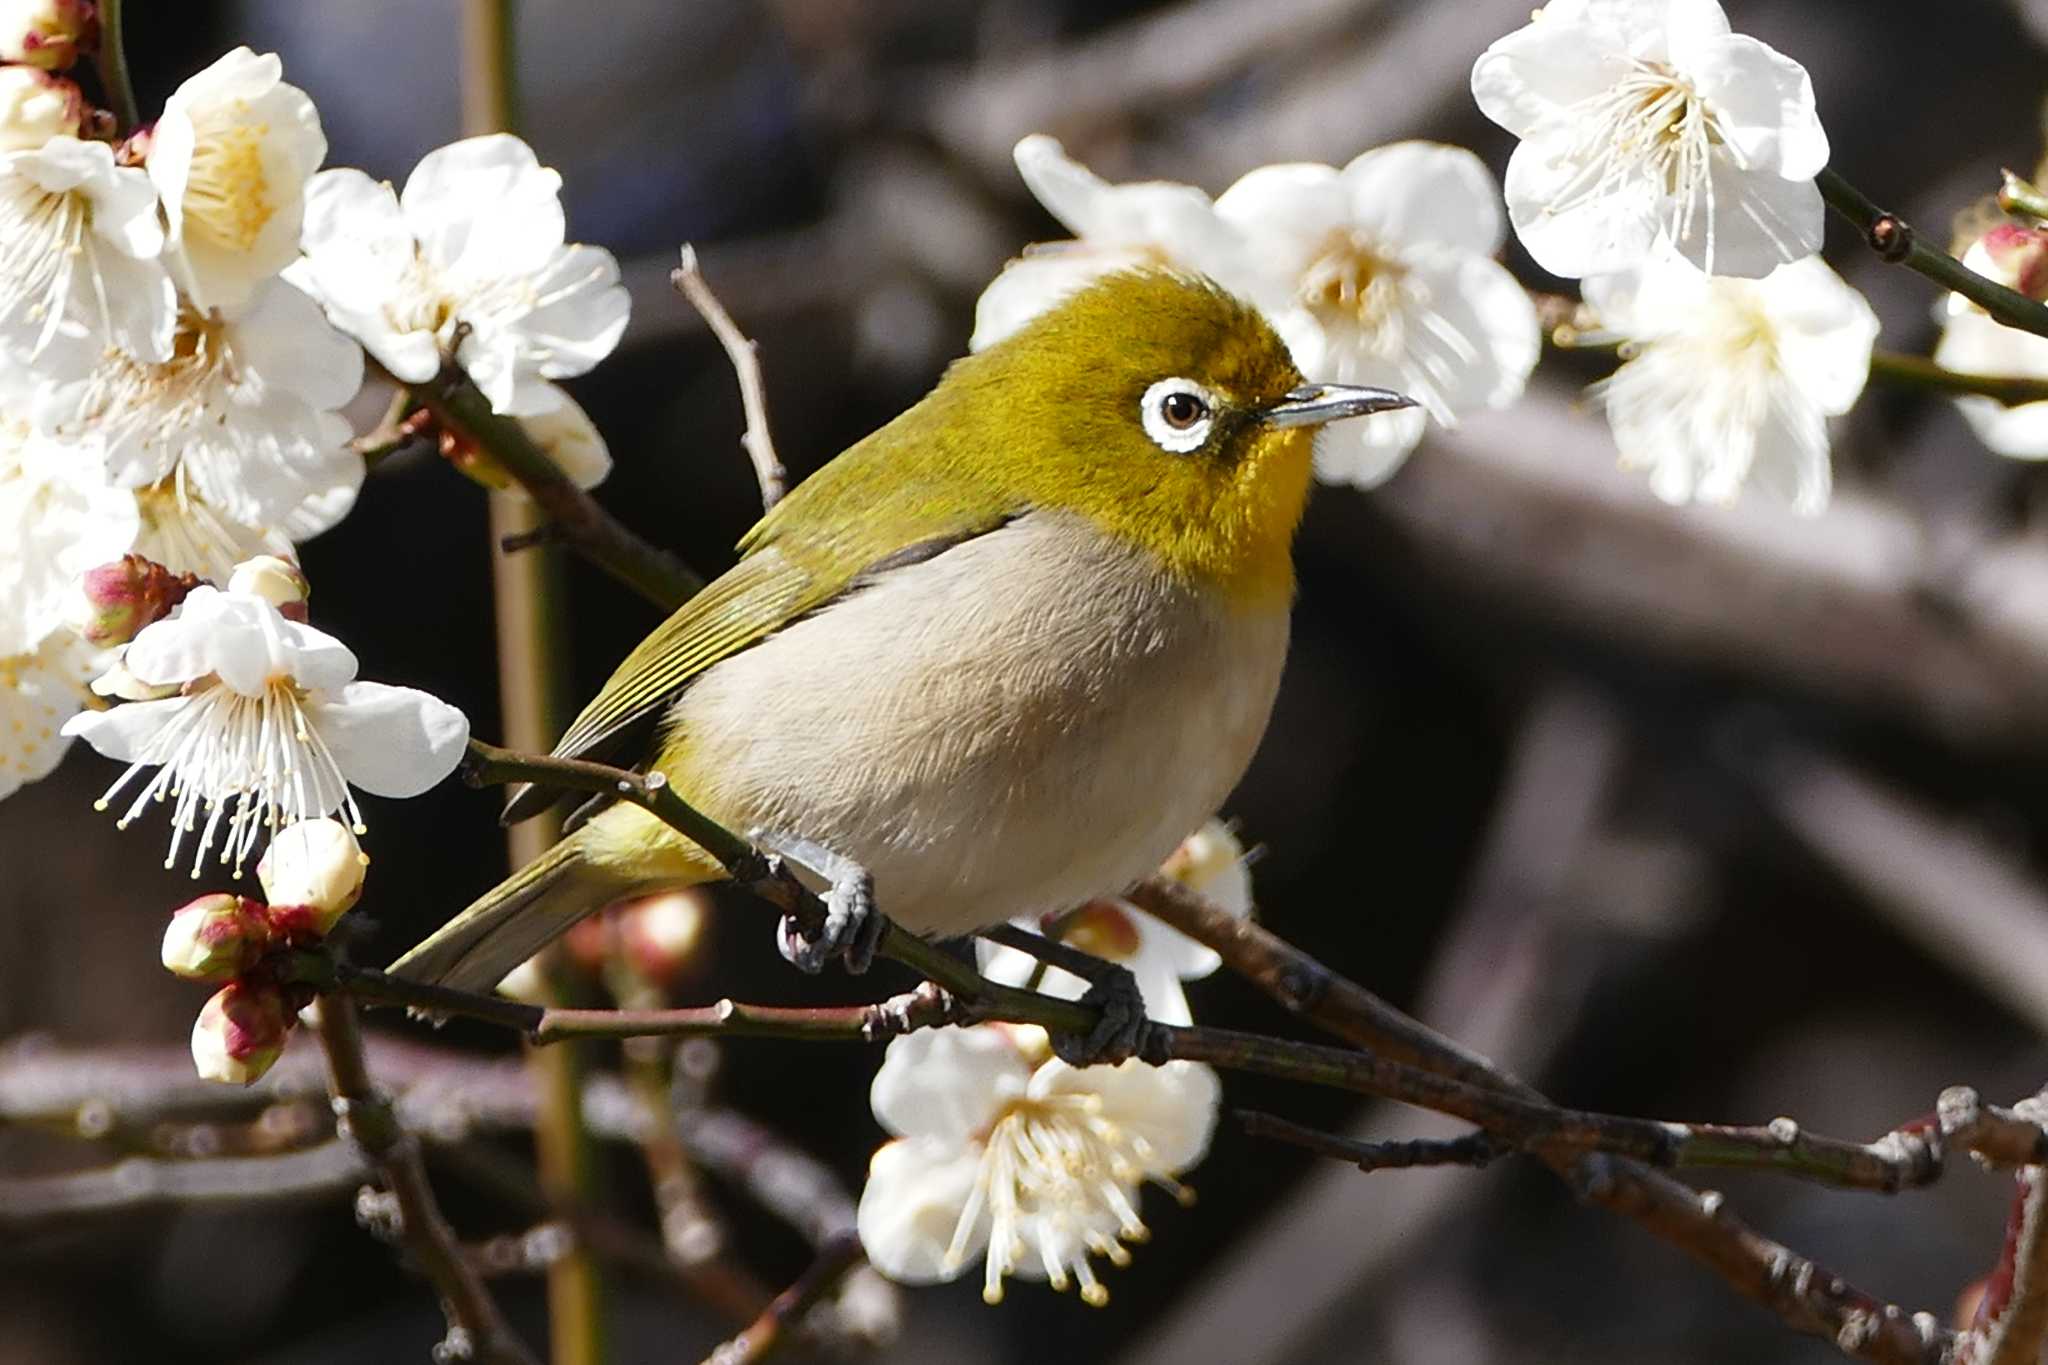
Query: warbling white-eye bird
pixel 994 660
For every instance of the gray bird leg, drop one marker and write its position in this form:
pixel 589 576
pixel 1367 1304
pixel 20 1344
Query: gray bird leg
pixel 1122 1031
pixel 852 928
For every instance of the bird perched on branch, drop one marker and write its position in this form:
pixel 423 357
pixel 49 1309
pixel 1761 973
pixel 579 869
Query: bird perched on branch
pixel 994 660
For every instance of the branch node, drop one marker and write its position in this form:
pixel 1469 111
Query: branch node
pixel 1891 237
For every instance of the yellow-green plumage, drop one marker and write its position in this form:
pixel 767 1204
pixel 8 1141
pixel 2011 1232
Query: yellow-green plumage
pixel 1004 652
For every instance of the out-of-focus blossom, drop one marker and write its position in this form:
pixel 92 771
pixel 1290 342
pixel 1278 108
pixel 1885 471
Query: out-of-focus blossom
pixel 562 429
pixel 58 518
pixel 243 411
pixel 40 690
pixel 79 248
pixel 1648 120
pixel 230 157
pixel 1210 861
pixel 35 107
pixel 1115 227
pixel 475 242
pixel 1006 1154
pixel 240 1033
pixel 117 599
pixel 1974 343
pixel 217 936
pixel 1731 381
pixel 45 33
pixel 659 935
pixel 312 874
pixel 268 726
pixel 1383 273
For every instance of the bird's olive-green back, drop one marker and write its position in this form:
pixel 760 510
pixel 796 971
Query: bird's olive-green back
pixel 1046 419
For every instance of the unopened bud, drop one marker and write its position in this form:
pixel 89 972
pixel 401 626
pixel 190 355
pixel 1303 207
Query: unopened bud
pixel 35 107
pixel 1105 928
pixel 215 937
pixel 277 581
pixel 240 1032
pixel 117 682
pixel 116 600
pixel 312 872
pixel 45 33
pixel 571 440
pixel 588 944
pixel 2015 256
pixel 659 935
pixel 1211 861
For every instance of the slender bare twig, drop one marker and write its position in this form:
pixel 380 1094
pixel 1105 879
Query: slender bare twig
pixel 365 1116
pixel 688 280
pixel 139 1182
pixel 1473 1149
pixel 1804 1296
pixel 1918 372
pixel 782 1319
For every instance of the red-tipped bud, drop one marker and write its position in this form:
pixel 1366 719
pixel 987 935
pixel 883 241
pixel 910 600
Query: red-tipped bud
pixel 215 937
pixel 46 33
pixel 312 872
pixel 2016 257
pixel 240 1032
pixel 115 601
pixel 659 935
pixel 1105 928
pixel 277 581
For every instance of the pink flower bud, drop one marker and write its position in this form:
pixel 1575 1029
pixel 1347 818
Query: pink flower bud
pixel 2016 257
pixel 1106 928
pixel 240 1032
pixel 312 872
pixel 46 33
pixel 117 600
pixel 659 935
pixel 215 937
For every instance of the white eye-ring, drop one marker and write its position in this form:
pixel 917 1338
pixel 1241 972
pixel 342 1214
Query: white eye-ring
pixel 1178 414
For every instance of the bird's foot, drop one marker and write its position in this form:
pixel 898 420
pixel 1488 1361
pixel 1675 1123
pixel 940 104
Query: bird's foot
pixel 853 926
pixel 1121 1030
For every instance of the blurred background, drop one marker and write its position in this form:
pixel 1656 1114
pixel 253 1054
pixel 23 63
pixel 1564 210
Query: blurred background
pixel 1711 814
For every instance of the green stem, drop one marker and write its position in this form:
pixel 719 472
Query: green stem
pixel 113 68
pixel 1918 372
pixel 1894 239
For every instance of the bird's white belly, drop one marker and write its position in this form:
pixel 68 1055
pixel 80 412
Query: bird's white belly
pixel 1029 719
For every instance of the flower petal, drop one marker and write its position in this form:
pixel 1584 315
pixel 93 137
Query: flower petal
pixel 1172 1107
pixel 1544 67
pixel 910 1207
pixel 1033 283
pixel 946 1083
pixel 1410 193
pixel 391 741
pixel 484 209
pixel 1765 105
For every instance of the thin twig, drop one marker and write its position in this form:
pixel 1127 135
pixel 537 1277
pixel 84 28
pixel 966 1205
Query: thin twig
pixel 688 280
pixel 1918 372
pixel 365 1116
pixel 112 63
pixel 780 1321
pixel 1894 240
pixel 595 534
pixel 1473 1149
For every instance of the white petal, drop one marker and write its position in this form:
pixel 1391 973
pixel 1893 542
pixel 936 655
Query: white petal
pixel 1766 106
pixel 1755 224
pixel 564 430
pixel 1540 69
pixel 916 1190
pixel 359 264
pixel 1173 1107
pixel 1790 463
pixel 40 695
pixel 946 1083
pixel 1825 332
pixel 392 741
pixel 284 337
pixel 1366 452
pixel 123 733
pixel 484 209
pixel 1591 234
pixel 1425 192
pixel 1033 283
pixel 1291 210
pixel 1693 31
pixel 1974 344
pixel 581 315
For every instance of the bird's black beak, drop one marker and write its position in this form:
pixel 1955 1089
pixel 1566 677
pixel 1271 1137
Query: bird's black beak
pixel 1314 404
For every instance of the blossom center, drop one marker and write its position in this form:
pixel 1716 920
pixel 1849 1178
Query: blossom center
pixel 1352 284
pixel 43 237
pixel 1652 127
pixel 228 199
pixel 1058 1178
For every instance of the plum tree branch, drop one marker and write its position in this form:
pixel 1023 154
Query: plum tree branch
pixel 688 280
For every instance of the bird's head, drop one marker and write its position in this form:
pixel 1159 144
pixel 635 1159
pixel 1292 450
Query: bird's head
pixel 1169 413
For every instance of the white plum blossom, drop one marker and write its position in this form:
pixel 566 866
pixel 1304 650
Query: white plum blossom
pixel 58 518
pixel 473 247
pixel 1383 273
pixel 242 412
pixel 40 690
pixel 564 430
pixel 44 33
pixel 36 106
pixel 1730 382
pixel 1648 120
pixel 1973 342
pixel 1007 1154
pixel 1115 227
pixel 1211 861
pixel 183 532
pixel 230 157
pixel 267 727
pixel 79 248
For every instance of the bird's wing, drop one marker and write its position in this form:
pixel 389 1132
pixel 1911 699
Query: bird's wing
pixel 883 504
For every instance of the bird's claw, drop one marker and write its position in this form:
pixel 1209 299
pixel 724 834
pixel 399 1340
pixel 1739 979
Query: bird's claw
pixel 853 926
pixel 1121 1031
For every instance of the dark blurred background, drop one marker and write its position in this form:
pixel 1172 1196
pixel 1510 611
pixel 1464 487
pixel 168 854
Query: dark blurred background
pixel 1700 814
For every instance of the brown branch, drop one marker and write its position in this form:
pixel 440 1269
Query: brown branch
pixel 141 1182
pixel 595 534
pixel 1474 1149
pixel 688 280
pixel 365 1116
pixel 782 1319
pixel 1805 1297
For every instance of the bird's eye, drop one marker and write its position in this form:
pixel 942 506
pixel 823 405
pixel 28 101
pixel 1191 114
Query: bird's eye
pixel 1177 414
